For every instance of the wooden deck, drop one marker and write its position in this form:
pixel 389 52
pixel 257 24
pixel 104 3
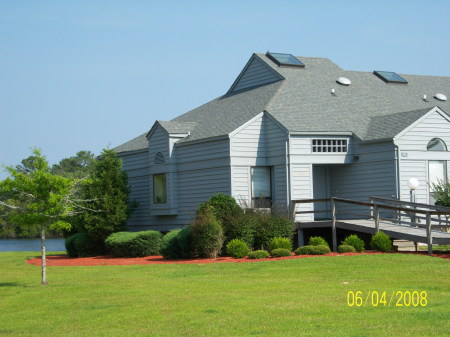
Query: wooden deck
pixel 394 231
pixel 409 221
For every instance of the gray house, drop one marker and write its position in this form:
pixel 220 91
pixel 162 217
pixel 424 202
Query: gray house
pixel 293 128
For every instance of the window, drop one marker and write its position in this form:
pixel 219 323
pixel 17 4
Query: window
pixel 436 144
pixel 329 145
pixel 261 187
pixel 159 158
pixel 390 77
pixel 159 188
pixel 285 60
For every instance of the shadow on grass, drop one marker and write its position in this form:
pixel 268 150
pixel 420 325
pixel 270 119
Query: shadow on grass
pixel 12 284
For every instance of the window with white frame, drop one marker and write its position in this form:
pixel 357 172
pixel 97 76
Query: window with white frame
pixel 261 187
pixel 329 145
pixel 159 188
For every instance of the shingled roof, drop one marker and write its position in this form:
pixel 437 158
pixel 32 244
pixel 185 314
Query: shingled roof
pixel 302 102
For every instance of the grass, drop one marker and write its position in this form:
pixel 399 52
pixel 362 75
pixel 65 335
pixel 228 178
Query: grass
pixel 303 297
pixel 437 248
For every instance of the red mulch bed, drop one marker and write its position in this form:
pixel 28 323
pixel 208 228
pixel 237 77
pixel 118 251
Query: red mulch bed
pixel 107 260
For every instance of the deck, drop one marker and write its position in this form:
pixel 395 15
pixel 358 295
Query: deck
pixel 408 221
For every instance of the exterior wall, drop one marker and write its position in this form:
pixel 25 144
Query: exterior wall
pixel 256 73
pixel 414 157
pixel 260 142
pixel 136 164
pixel 302 188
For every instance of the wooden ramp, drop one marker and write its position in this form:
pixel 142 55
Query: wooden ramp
pixel 421 226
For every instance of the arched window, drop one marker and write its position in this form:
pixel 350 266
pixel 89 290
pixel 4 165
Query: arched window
pixel 159 158
pixel 436 144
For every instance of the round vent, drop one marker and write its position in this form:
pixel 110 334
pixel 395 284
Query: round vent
pixel 344 81
pixel 440 97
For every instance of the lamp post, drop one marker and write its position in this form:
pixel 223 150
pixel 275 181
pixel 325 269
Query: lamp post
pixel 413 183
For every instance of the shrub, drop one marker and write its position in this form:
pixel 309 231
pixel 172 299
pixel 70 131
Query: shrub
pixel 170 248
pixel 242 227
pixel 258 254
pixel 355 241
pixel 277 242
pixel 346 249
pixel 237 248
pixel 312 250
pixel 317 240
pixel 184 241
pixel 207 234
pixel 381 241
pixel 280 252
pixel 224 207
pixel 269 227
pixel 81 245
pixel 134 244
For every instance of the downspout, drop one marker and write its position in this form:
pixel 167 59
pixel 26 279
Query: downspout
pixel 397 171
pixel 288 178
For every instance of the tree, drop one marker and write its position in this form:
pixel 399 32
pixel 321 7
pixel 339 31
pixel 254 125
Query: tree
pixel 79 166
pixel 108 192
pixel 36 196
pixel 442 194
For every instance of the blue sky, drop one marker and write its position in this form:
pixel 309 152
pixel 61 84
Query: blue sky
pixel 84 75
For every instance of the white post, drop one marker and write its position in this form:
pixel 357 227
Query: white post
pixel 377 218
pixel 429 237
pixel 333 225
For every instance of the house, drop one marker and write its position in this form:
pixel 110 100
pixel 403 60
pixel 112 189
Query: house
pixel 293 128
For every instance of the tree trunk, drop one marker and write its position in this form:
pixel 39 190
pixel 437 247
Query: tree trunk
pixel 44 257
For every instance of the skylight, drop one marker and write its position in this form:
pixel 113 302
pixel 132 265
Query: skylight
pixel 390 77
pixel 285 59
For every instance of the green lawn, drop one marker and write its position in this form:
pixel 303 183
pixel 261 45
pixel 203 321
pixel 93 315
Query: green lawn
pixel 303 297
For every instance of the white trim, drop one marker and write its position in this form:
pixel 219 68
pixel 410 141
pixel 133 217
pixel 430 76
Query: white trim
pixel 432 110
pixel 243 126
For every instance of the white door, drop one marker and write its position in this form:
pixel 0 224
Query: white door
pixel 436 174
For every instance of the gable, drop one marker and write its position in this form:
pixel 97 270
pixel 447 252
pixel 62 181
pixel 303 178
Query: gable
pixel 255 73
pixel 435 124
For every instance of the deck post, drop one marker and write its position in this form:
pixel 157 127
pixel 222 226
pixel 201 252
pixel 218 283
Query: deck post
pixel 333 225
pixel 377 218
pixel 429 238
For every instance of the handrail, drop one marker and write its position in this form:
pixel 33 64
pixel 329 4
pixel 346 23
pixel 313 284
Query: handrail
pixel 375 213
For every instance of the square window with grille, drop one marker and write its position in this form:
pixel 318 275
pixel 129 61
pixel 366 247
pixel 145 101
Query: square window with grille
pixel 329 145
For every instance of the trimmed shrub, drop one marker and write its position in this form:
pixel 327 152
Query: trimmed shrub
pixel 280 252
pixel 317 241
pixel 269 227
pixel 381 241
pixel 134 244
pixel 81 245
pixel 312 250
pixel 184 240
pixel 207 234
pixel 237 248
pixel 242 227
pixel 346 249
pixel 277 242
pixel 258 254
pixel 170 248
pixel 355 241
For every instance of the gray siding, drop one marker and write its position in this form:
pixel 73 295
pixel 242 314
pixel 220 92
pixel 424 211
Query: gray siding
pixel 136 165
pixel 373 175
pixel 255 74
pixel 260 142
pixel 301 188
pixel 414 156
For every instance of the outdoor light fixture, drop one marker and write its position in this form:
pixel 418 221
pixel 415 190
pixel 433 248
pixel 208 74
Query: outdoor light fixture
pixel 413 183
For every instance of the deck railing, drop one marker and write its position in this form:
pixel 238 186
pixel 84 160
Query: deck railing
pixel 414 215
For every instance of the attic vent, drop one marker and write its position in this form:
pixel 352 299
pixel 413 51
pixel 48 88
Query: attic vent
pixel 390 77
pixel 344 81
pixel 285 60
pixel 440 97
pixel 159 158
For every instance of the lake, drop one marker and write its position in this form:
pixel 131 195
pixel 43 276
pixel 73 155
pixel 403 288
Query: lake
pixel 31 245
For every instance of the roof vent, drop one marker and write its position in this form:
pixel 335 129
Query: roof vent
pixel 344 81
pixel 440 97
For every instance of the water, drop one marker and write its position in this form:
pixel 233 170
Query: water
pixel 31 245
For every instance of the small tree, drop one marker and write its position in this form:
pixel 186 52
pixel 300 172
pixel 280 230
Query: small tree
pixel 442 194
pixel 207 234
pixel 108 193
pixel 36 196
